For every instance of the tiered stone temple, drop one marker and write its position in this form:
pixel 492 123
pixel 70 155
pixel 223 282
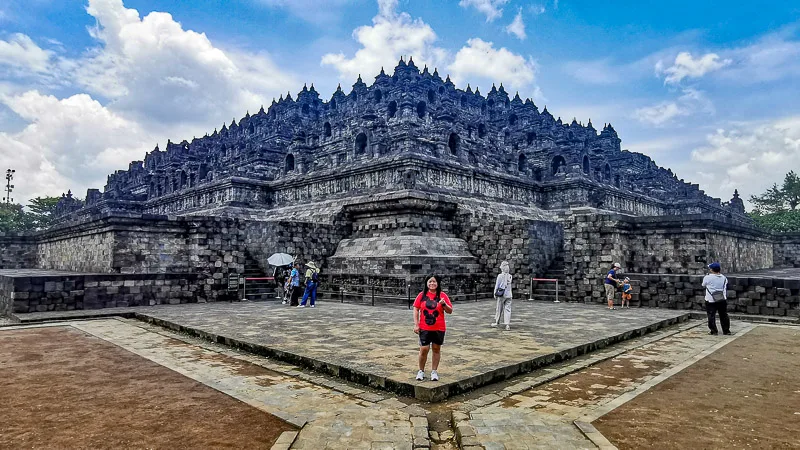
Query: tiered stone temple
pixel 408 176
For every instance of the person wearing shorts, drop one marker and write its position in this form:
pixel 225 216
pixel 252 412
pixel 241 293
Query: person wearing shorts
pixel 611 283
pixel 430 307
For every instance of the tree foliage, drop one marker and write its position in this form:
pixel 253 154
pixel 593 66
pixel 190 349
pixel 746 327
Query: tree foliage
pixel 37 215
pixel 776 209
pixel 778 199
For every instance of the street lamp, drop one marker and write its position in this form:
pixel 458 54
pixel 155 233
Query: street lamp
pixel 9 186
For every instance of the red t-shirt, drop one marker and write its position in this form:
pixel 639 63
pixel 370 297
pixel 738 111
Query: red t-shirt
pixel 431 313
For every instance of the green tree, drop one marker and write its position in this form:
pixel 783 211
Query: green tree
pixel 777 199
pixel 41 211
pixel 13 218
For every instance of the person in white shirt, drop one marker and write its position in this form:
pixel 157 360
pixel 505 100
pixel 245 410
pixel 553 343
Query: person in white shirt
pixel 504 300
pixel 716 286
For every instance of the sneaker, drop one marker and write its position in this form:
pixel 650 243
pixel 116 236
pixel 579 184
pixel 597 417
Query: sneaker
pixel 420 375
pixel 713 333
pixel 313 306
pixel 728 333
pixel 508 327
pixel 434 375
pixel 494 325
pixel 301 306
pixel 283 302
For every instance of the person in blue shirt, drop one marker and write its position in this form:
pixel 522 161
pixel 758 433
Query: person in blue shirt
pixel 611 283
pixel 627 290
pixel 295 280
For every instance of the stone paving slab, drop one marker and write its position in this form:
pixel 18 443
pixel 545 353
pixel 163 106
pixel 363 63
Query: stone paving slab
pixel 377 347
pixel 564 407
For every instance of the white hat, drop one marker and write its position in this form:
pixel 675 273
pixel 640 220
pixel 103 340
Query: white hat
pixel 617 265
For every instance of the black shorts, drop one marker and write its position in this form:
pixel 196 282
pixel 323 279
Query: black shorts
pixel 428 337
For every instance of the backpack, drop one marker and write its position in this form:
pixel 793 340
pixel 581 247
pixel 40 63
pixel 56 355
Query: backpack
pixel 315 276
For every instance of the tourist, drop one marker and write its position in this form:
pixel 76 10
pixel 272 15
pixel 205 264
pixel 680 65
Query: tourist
pixel 502 293
pixel 627 291
pixel 611 283
pixel 294 276
pixel 429 308
pixel 716 285
pixel 312 281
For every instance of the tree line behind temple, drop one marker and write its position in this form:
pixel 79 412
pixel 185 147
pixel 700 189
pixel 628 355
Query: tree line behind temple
pixel 774 210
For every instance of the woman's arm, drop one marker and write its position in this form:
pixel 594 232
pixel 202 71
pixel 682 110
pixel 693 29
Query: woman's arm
pixel 448 308
pixel 416 320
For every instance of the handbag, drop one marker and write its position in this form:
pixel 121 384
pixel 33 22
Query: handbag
pixel 501 291
pixel 717 296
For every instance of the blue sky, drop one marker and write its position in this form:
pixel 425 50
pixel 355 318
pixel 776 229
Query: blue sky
pixel 88 85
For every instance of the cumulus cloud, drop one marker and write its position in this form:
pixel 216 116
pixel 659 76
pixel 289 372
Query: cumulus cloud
pixel 393 34
pixel 479 59
pixel 21 52
pixel 686 66
pixel 154 70
pixel 72 143
pixel 492 9
pixel 517 27
pixel 691 102
pixel 775 56
pixel 749 156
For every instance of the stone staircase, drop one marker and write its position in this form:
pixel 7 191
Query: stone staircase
pixel 546 291
pixel 258 289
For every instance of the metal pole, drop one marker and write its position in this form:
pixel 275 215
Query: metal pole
pixel 408 293
pixel 244 289
pixel 530 292
pixel 372 287
pixel 556 292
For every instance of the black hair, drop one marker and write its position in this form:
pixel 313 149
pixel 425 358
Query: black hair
pixel 438 286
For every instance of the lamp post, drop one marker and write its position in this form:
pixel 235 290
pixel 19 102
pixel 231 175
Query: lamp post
pixel 9 186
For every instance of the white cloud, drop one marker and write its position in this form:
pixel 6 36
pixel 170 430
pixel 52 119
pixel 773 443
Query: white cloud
pixel 773 57
pixel 517 27
pixel 393 34
pixel 72 143
pixel 749 156
pixel 480 59
pixel 21 52
pixel 686 66
pixel 691 102
pixel 539 9
pixel 602 71
pixel 157 72
pixel 492 9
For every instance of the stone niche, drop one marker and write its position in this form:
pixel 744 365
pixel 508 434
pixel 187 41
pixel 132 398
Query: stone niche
pixel 407 237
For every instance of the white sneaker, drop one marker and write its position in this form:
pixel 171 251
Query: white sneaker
pixel 283 302
pixel 508 327
pixel 420 375
pixel 434 375
pixel 313 306
pixel 301 306
pixel 494 325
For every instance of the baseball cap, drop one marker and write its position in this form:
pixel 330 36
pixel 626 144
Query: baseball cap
pixel 714 266
pixel 617 265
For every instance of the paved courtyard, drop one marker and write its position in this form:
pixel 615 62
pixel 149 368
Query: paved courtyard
pixel 377 346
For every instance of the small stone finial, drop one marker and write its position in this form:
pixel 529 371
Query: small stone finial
pixel 502 89
pixel 735 193
pixel 312 88
pixel 435 72
pixel 339 88
pixel 469 89
pixel 494 90
pixel 247 114
pixel 382 72
pixel 261 111
pixel 425 70
pixel 305 87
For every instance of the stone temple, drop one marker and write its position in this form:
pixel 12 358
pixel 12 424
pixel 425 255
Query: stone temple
pixel 384 184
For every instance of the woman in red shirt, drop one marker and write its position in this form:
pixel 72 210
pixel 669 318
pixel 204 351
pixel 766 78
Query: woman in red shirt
pixel 429 324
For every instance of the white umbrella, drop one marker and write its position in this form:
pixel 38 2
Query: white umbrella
pixel 280 259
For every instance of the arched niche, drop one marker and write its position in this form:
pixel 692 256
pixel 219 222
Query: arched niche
pixel 392 109
pixel 327 129
pixel 585 164
pixel 289 163
pixel 453 143
pixel 422 108
pixel 558 164
pixel 522 163
pixel 360 146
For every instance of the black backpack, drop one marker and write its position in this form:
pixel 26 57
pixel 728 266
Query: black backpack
pixel 314 276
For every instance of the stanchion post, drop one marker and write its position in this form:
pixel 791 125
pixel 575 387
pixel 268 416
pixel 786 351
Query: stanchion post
pixel 556 301
pixel 408 293
pixel 244 288
pixel 530 292
pixel 372 287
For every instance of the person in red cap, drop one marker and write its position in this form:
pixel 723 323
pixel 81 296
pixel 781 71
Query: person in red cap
pixel 716 285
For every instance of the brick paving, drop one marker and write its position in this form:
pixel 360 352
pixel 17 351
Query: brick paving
pixel 378 346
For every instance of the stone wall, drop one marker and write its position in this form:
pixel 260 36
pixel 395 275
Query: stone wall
pixel 680 245
pixel 529 246
pixel 308 241
pixel 750 295
pixel 786 250
pixel 69 292
pixel 17 251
